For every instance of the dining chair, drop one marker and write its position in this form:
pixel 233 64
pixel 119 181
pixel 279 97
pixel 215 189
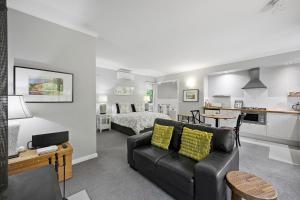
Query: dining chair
pixel 236 129
pixel 196 117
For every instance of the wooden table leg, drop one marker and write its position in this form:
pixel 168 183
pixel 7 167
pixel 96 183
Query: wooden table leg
pixel 235 196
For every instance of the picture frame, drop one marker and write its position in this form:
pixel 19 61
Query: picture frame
pixel 238 103
pixel 43 86
pixel 124 91
pixel 191 95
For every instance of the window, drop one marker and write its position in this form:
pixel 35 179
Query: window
pixel 149 91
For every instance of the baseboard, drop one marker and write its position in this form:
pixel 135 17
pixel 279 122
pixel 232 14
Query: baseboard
pixel 84 158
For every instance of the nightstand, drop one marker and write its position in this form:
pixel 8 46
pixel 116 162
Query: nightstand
pixel 103 122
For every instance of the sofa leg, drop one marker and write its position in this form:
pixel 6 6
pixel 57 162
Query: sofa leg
pixel 133 167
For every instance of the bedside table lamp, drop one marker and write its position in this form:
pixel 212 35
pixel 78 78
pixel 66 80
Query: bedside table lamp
pixel 102 99
pixel 17 109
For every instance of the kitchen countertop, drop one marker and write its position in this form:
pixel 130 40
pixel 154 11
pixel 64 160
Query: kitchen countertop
pixel 270 110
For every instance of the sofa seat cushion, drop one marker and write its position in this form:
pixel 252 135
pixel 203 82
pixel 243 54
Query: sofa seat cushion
pixel 146 157
pixel 178 171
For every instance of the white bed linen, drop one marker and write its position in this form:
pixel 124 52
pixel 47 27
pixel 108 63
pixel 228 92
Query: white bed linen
pixel 137 120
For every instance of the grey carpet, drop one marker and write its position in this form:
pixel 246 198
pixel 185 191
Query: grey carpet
pixel 110 178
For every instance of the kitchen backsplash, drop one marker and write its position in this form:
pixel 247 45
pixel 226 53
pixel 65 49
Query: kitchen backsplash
pixel 279 81
pixel 258 98
pixel 261 98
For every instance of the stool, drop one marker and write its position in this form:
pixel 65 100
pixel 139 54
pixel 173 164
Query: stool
pixel 250 187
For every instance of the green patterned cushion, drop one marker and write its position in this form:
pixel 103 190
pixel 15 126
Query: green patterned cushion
pixel 161 136
pixel 195 144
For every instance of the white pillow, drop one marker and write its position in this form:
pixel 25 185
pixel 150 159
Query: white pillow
pixel 114 109
pixel 124 108
pixel 139 107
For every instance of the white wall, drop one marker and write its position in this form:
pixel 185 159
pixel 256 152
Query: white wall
pixel 227 84
pixel 106 81
pixel 33 42
pixel 287 59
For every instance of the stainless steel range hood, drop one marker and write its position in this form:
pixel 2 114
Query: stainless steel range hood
pixel 254 82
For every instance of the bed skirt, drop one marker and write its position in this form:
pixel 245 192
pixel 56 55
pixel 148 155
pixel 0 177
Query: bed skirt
pixel 127 130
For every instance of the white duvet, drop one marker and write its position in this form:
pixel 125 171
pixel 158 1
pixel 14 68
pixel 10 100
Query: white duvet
pixel 137 120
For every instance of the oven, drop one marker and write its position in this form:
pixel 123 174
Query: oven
pixel 254 117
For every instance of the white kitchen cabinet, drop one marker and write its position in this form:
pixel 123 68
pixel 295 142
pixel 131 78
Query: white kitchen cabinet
pixel 283 126
pixel 254 129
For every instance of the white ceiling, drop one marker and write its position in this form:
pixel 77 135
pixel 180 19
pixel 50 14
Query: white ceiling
pixel 157 37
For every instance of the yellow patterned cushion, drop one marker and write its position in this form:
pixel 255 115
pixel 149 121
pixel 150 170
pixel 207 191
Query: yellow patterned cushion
pixel 195 144
pixel 162 135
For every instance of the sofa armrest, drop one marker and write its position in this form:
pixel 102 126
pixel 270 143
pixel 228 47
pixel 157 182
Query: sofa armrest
pixel 210 183
pixel 136 141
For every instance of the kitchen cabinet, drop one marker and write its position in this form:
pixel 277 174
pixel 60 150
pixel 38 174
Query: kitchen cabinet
pixel 254 129
pixel 283 126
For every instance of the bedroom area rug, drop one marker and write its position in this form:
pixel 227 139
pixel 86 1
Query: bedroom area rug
pixel 82 195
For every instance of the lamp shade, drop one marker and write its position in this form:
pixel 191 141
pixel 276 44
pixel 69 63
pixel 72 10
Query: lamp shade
pixel 147 99
pixel 17 108
pixel 102 99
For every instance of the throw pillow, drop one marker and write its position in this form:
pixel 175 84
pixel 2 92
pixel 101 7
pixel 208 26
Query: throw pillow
pixel 161 136
pixel 195 144
pixel 133 108
pixel 140 107
pixel 124 108
pixel 118 108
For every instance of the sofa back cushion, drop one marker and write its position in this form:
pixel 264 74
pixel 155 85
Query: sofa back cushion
pixel 161 136
pixel 175 141
pixel 222 140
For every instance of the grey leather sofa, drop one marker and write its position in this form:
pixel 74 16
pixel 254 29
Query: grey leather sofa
pixel 180 176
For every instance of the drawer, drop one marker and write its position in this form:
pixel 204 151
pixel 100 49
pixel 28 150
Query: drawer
pixel 253 129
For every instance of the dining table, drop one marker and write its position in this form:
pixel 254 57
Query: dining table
pixel 217 117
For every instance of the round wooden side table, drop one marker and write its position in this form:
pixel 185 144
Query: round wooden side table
pixel 250 187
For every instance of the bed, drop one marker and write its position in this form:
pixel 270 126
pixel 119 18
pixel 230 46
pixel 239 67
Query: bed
pixel 133 123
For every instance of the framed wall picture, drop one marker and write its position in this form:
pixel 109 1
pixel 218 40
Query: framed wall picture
pixel 43 86
pixel 191 95
pixel 124 91
pixel 238 103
